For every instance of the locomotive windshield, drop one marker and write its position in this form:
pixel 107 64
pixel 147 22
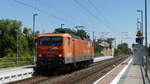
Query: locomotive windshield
pixel 55 40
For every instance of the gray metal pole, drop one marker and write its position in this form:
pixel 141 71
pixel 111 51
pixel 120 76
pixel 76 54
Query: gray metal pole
pixel 94 40
pixel 17 49
pixel 0 32
pixel 138 25
pixel 62 25
pixel 93 36
pixel 142 22
pixel 34 59
pixel 142 25
pixel 146 54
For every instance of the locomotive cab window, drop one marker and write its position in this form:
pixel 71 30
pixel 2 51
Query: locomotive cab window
pixel 68 41
pixel 55 41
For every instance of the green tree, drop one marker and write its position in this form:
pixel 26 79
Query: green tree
pixel 80 32
pixel 13 37
pixel 11 34
pixel 97 48
pixel 64 30
pixel 83 33
pixel 10 29
pixel 122 49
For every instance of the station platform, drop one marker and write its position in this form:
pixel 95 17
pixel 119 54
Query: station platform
pixel 12 74
pixel 133 75
pixel 96 59
pixel 124 73
pixel 8 75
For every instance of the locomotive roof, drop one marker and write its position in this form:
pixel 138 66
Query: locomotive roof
pixel 53 34
pixel 64 35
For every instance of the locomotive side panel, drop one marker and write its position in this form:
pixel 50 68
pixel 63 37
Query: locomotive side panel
pixel 80 50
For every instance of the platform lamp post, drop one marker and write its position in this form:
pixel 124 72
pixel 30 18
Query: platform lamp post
pixel 61 26
pixel 94 39
pixel 0 37
pixel 34 57
pixel 82 27
pixel 17 57
pixel 141 25
pixel 141 30
pixel 146 54
pixel 0 32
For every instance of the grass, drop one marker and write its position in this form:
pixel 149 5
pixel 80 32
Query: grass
pixel 11 62
pixel 14 65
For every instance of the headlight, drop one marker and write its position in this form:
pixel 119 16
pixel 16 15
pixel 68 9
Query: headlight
pixel 40 55
pixel 60 55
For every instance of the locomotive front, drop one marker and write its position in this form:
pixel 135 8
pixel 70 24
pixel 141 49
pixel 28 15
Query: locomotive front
pixel 49 51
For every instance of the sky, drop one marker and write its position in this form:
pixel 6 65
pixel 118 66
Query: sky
pixel 107 18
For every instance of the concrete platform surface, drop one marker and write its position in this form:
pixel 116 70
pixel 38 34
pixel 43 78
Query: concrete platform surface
pixel 7 70
pixel 96 59
pixel 16 73
pixel 110 76
pixel 133 75
pixel 124 73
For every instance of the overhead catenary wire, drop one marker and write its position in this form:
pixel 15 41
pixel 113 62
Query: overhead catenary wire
pixel 50 14
pixel 55 9
pixel 100 11
pixel 88 11
pixel 47 13
pixel 43 11
pixel 61 12
pixel 93 15
pixel 90 2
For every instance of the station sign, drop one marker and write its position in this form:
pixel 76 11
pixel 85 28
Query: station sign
pixel 138 34
pixel 139 40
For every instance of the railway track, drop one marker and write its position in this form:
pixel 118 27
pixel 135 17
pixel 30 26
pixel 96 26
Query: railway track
pixel 81 76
